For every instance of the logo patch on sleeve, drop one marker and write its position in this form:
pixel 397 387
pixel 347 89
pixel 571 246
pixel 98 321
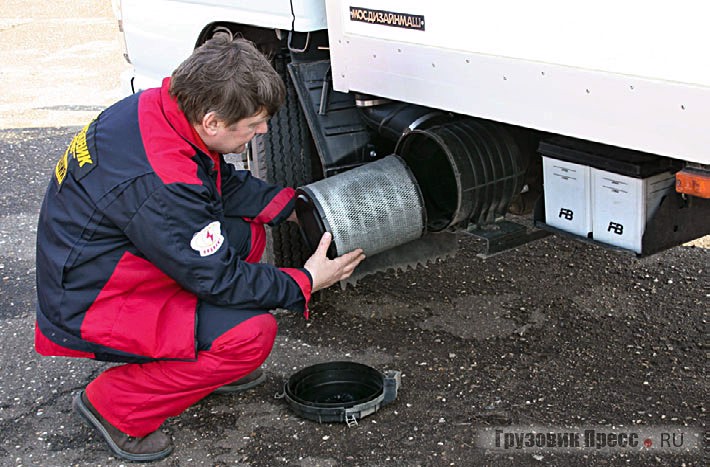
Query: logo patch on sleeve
pixel 208 240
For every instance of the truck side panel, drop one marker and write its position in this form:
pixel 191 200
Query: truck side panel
pixel 629 75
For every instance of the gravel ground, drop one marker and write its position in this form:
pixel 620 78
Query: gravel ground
pixel 555 334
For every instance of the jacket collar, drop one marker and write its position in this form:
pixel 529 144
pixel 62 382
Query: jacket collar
pixel 179 122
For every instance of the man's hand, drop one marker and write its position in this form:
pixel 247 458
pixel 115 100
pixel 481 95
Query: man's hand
pixel 326 272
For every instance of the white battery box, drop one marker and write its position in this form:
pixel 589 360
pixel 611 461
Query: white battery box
pixel 622 205
pixel 567 189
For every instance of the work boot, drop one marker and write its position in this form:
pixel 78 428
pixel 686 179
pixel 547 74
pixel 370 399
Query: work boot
pixel 152 447
pixel 249 381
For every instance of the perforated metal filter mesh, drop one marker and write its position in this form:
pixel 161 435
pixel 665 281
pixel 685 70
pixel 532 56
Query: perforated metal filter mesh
pixel 375 207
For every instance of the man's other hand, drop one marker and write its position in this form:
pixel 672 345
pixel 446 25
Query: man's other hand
pixel 326 272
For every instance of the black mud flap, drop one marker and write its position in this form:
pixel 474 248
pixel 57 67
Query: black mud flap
pixel 340 135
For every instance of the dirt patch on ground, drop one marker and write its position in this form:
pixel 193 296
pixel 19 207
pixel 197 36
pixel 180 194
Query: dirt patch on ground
pixel 554 334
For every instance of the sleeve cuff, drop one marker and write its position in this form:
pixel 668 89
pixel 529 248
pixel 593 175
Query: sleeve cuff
pixel 304 281
pixel 278 209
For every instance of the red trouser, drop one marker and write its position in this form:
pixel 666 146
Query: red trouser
pixel 138 398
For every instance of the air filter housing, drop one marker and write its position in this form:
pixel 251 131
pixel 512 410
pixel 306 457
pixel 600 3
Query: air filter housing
pixel 376 206
pixel 468 170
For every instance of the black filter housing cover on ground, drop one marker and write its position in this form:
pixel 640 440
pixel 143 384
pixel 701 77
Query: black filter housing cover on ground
pixel 340 391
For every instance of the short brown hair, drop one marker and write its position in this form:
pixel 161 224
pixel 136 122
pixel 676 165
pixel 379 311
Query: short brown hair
pixel 228 77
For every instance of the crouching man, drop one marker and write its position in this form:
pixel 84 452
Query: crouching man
pixel 148 247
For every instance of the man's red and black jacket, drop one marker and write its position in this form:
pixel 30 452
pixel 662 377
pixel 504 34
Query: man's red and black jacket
pixel 131 236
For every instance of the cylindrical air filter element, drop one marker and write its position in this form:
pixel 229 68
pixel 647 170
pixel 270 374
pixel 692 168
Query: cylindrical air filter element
pixel 376 206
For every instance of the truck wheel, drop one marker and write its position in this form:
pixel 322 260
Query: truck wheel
pixel 286 155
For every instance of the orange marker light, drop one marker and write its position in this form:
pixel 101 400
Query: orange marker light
pixel 693 182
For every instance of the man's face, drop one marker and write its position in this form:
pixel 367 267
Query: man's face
pixel 234 138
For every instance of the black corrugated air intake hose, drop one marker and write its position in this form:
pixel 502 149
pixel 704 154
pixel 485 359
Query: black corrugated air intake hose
pixel 393 119
pixel 468 169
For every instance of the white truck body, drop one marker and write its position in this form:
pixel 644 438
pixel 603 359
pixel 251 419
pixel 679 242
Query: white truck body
pixel 160 34
pixel 632 74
